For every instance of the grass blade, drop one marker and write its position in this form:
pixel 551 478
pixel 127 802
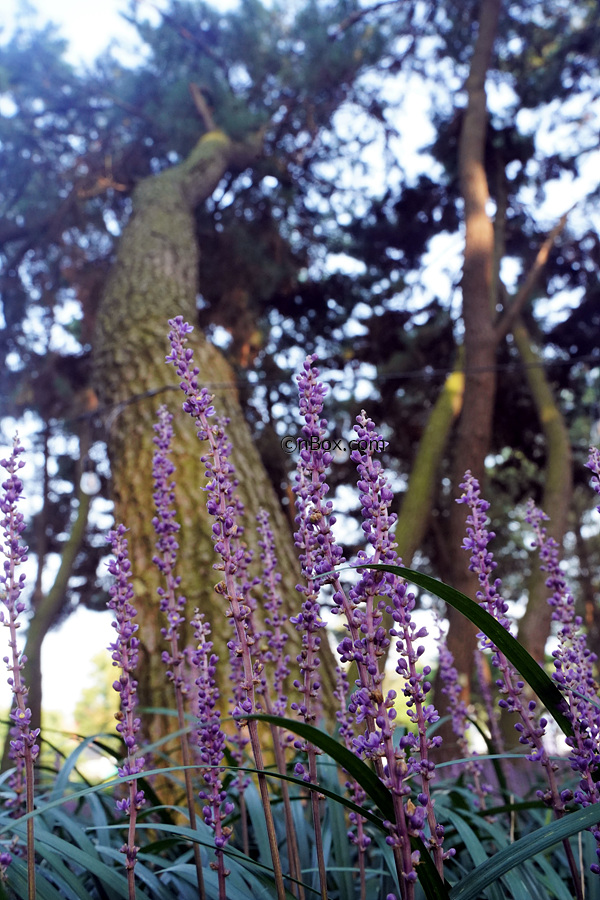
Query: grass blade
pixel 470 888
pixel 432 884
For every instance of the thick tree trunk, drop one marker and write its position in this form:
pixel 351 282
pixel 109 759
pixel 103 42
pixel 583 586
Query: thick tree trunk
pixel 475 424
pixel 155 278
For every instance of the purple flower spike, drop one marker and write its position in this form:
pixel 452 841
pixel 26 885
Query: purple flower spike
pixel 222 505
pixel 314 538
pixel 226 509
pixel 23 746
pixel 172 604
pixel 367 645
pixel 198 402
pixel 482 561
pixel 125 656
pixel 368 641
pixel 530 727
pixel 211 739
pixel 275 657
pixel 573 670
pixel 593 463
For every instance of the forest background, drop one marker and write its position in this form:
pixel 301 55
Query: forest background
pixel 408 189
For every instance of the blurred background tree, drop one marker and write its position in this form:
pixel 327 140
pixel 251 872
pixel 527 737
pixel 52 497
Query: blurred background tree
pixel 343 234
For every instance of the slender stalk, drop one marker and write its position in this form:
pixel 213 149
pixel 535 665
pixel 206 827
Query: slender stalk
pixel 211 744
pixel 272 689
pixel 316 816
pixel 290 830
pixel 29 781
pixel 189 792
pixel 244 823
pixel 266 801
pixel 131 841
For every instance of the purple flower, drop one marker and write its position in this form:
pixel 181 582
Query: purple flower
pixel 573 666
pixel 210 737
pixel 530 728
pixel 274 658
pixel 198 401
pixel 593 463
pixel 222 505
pixel 172 604
pixel 23 746
pixel 314 537
pixel 124 652
pixel 482 561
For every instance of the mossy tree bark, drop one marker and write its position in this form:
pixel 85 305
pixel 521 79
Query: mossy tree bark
pixel 417 501
pixel 155 277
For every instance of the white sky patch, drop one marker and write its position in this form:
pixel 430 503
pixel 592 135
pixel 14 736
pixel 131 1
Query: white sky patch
pixel 510 272
pixel 91 27
pixel 67 660
pixel 341 262
pixel 67 657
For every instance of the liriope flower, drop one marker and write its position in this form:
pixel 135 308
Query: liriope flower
pixel 124 654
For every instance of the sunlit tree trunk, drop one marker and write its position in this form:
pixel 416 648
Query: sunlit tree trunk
pixel 473 437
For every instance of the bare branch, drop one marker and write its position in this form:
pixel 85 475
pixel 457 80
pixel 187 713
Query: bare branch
pixel 507 320
pixel 356 16
pixel 202 106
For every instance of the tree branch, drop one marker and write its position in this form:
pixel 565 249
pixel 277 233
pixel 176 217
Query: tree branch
pixel 356 16
pixel 202 106
pixel 508 319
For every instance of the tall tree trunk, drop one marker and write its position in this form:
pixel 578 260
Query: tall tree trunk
pixel 474 431
pixel 483 331
pixel 534 627
pixel 155 278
